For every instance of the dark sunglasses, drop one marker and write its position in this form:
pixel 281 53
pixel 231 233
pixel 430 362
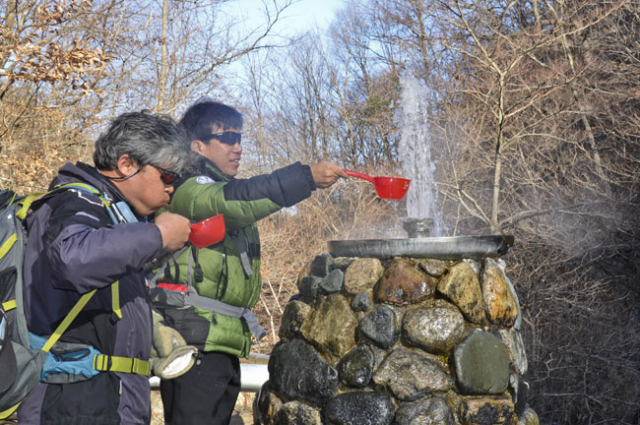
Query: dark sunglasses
pixel 125 177
pixel 168 177
pixel 227 137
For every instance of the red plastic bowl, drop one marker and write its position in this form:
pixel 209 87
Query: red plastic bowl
pixel 391 187
pixel 386 187
pixel 208 232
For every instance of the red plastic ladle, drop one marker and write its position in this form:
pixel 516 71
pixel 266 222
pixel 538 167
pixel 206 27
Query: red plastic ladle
pixel 386 187
pixel 207 232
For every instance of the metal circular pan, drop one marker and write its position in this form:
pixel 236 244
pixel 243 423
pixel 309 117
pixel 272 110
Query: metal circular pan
pixel 442 248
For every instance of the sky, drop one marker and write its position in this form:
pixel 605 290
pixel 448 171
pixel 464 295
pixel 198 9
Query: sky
pixel 300 16
pixel 309 13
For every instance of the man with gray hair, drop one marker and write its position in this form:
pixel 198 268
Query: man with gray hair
pixel 95 235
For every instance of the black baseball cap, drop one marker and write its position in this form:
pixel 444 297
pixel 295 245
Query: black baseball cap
pixel 8 366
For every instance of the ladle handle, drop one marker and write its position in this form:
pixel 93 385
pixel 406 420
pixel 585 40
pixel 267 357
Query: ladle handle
pixel 360 176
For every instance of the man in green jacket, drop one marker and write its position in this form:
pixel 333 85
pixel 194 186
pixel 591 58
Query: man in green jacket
pixel 226 276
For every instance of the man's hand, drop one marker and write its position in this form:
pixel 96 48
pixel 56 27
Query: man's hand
pixel 174 229
pixel 326 173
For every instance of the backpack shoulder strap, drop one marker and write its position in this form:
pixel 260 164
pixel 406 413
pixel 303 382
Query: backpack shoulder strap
pixel 25 204
pixel 28 200
pixel 84 299
pixel 55 336
pixel 87 188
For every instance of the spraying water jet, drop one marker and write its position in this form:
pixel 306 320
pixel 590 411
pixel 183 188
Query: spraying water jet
pixel 423 224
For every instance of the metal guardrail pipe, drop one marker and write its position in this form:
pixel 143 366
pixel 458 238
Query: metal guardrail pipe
pixel 252 375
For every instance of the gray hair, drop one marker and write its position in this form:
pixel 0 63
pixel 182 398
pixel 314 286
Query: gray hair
pixel 147 138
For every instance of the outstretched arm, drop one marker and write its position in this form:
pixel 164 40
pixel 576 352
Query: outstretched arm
pixel 326 174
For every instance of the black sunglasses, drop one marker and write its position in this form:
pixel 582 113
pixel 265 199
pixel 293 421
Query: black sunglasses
pixel 227 137
pixel 168 177
pixel 125 177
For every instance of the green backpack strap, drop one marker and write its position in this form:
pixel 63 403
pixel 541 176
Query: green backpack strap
pixel 9 305
pixel 10 411
pixel 115 298
pixel 55 336
pixel 26 204
pixel 105 363
pixel 6 246
pixel 27 201
pixel 22 213
pixel 101 362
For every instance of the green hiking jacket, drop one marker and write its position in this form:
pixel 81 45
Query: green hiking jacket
pixel 242 202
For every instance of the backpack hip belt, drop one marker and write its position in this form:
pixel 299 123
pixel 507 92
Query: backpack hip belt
pixel 189 296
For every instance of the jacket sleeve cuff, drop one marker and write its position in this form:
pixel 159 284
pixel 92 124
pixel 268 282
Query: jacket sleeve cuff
pixel 306 170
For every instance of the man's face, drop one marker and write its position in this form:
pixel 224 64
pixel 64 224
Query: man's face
pixel 146 191
pixel 226 157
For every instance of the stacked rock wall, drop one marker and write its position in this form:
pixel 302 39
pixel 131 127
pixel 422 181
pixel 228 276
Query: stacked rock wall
pixel 404 341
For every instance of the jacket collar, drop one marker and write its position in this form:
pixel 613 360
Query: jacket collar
pixel 84 173
pixel 210 169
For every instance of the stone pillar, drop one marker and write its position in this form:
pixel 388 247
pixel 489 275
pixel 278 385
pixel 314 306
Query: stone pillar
pixel 404 341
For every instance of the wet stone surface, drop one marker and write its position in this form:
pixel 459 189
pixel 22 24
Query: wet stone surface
pixel 267 404
pixel 429 411
pixel 501 306
pixel 381 326
pixel 486 411
pixel 378 356
pixel 482 364
pixel 342 263
pixel 361 302
pixel 461 286
pixel 519 391
pixel 362 408
pixel 410 376
pixel 436 329
pixel 529 417
pixel 404 283
pixel 515 346
pixel 297 371
pixel 294 315
pixel 320 265
pixel 362 275
pixel 355 369
pixel 435 268
pixel 332 283
pixel 297 413
pixel 309 287
pixel 330 327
